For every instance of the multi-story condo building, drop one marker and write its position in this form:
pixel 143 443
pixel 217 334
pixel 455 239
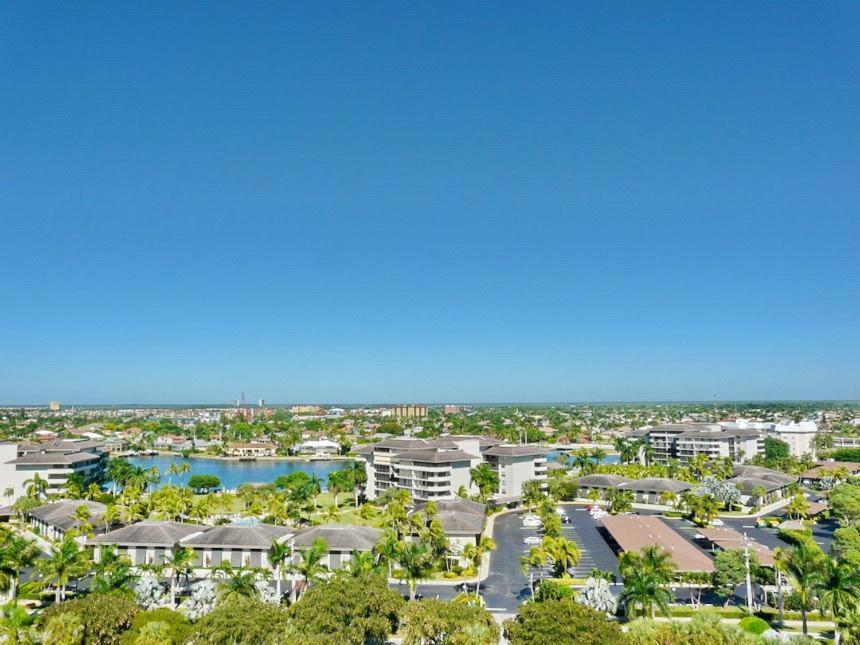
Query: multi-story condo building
pixel 516 465
pixel 434 469
pixel 53 461
pixel 410 411
pixel 683 441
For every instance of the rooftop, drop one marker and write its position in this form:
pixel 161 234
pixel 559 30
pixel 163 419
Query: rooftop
pixel 255 536
pixel 149 533
pixel 632 532
pixel 338 537
pixel 517 451
pixel 61 514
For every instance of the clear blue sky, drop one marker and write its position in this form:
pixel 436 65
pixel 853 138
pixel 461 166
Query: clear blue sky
pixel 429 201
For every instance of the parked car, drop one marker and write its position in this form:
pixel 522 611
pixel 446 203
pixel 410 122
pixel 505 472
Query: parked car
pixel 717 522
pixel 532 540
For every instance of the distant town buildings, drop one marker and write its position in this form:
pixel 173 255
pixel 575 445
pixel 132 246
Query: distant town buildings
pixel 251 449
pixel 410 411
pixel 54 406
pixel 452 409
pixel 305 409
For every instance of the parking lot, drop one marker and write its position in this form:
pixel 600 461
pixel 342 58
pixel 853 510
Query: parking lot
pixel 505 588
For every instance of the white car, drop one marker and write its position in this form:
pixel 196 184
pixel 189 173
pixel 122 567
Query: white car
pixel 597 514
pixel 717 522
pixel 560 511
pixel 532 540
pixel 531 521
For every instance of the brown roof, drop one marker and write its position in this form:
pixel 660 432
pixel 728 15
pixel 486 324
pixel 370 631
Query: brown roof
pixel 726 538
pixel 632 532
pixel 822 469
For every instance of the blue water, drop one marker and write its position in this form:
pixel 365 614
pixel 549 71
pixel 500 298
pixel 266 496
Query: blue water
pixel 234 473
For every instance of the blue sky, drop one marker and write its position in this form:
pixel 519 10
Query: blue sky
pixel 429 201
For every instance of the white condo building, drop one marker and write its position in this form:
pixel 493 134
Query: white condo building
pixel 53 461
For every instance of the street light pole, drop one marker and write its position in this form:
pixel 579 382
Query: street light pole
pixel 749 578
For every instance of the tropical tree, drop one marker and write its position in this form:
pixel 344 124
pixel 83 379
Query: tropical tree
pixel 561 553
pixel 475 554
pixel 362 562
pixel 15 624
pixel 806 567
pixel 839 593
pixel 279 557
pixel 416 561
pixel 359 478
pixel 534 559
pixel 180 561
pixel 668 498
pixel 113 572
pixel 331 513
pixel 646 574
pixel 16 554
pixel 64 563
pixel 310 562
pixel 242 582
pixel 36 486
pixel 620 501
pixel 798 507
pixel 485 479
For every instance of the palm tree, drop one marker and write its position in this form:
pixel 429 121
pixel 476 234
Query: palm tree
pixel 180 561
pixel 485 478
pixel 597 455
pixel 36 486
pixel 367 511
pixel 359 478
pixel 839 593
pixel 65 562
pixel 534 559
pixel 386 548
pixel 172 469
pixel 416 561
pixel 279 556
pixel 14 624
pixel 806 566
pixel 475 554
pixel 9 493
pixel 668 498
pixel 362 562
pixel 112 571
pixel 18 553
pixel 310 565
pixel 331 514
pixel 643 589
pixel 242 582
pixel 563 554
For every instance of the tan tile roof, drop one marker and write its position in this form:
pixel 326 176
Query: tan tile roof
pixel 632 532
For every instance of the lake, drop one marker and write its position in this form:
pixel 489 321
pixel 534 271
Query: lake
pixel 234 473
pixel 608 459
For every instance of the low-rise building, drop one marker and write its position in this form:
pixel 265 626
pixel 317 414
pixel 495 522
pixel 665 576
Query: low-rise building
pixel 752 479
pixel 516 465
pixel 240 545
pixel 341 541
pixel 54 520
pixel 251 449
pixel 145 543
pixel 463 522
pixel 684 441
pixel 318 447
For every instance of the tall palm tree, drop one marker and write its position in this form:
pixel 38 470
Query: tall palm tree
pixel 362 562
pixel 17 553
pixel 310 563
pixel 359 478
pixel 416 561
pixel 475 554
pixel 279 556
pixel 532 560
pixel 180 561
pixel 64 563
pixel 806 566
pixel 36 486
pixel 113 572
pixel 331 514
pixel 172 469
pixel 485 479
pixel 839 593
pixel 386 548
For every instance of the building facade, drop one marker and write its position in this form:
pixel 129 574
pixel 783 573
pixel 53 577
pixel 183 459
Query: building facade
pixel 53 461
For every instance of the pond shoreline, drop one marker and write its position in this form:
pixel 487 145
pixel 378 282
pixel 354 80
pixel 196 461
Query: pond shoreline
pixel 228 459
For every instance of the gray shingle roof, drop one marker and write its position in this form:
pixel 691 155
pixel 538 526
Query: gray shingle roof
pixel 516 451
pixel 434 456
pixel 656 485
pixel 62 458
pixel 149 533
pixel 456 505
pixel 62 513
pixel 255 536
pixel 459 517
pixel 759 472
pixel 602 481
pixel 748 484
pixel 338 537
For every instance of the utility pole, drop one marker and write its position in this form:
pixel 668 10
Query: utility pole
pixel 749 578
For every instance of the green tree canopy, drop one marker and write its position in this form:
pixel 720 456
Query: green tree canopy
pixel 348 609
pixel 104 616
pixel 440 622
pixel 204 482
pixel 243 620
pixel 561 621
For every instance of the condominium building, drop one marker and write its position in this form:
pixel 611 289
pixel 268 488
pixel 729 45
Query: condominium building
pixel 410 411
pixel 800 437
pixel 53 461
pixel 516 465
pixel 434 469
pixel 684 441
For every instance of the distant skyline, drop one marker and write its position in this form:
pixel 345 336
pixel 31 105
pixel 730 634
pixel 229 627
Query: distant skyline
pixel 442 202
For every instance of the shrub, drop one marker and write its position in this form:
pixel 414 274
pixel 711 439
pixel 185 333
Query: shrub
pixel 754 625
pixel 178 626
pixel 440 621
pixel 347 609
pixel 561 621
pixel 552 590
pixel 243 620
pixel 104 616
pixel 796 537
pixel 64 629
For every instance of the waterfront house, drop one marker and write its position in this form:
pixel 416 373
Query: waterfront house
pixel 251 449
